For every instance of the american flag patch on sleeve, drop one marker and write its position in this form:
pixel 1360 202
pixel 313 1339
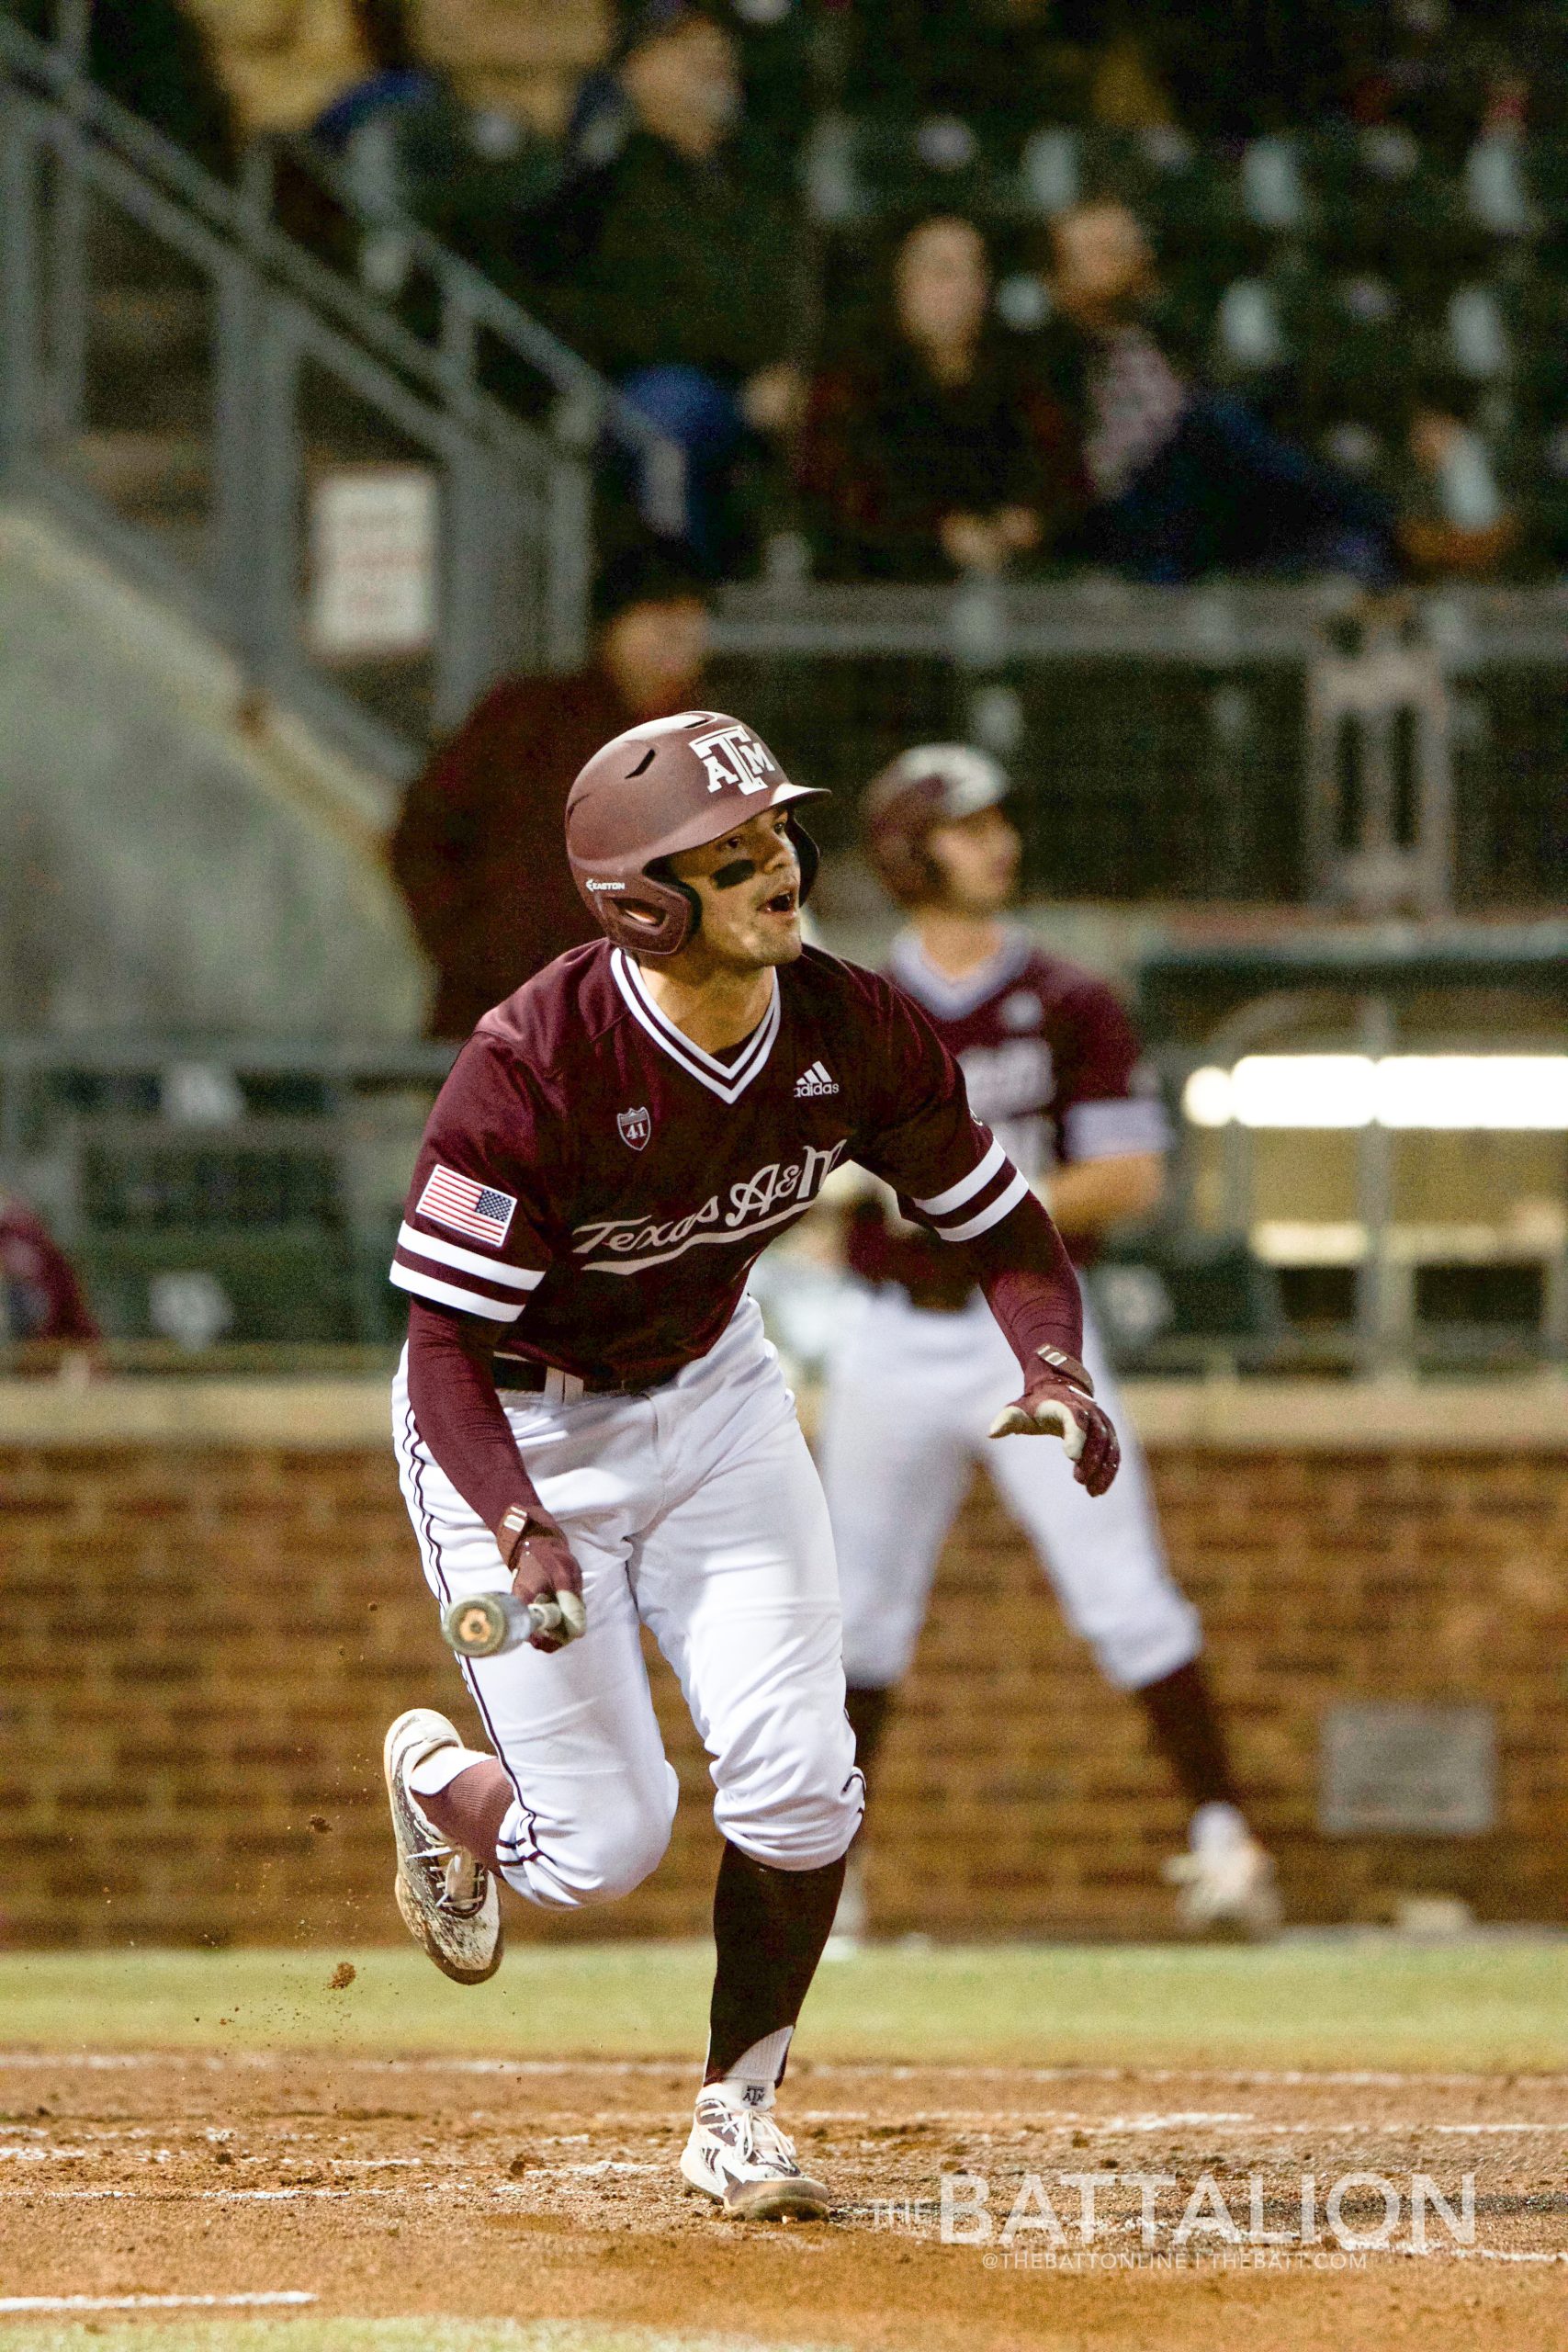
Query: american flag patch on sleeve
pixel 477 1210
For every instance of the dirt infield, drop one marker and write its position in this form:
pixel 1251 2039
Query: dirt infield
pixel 528 2188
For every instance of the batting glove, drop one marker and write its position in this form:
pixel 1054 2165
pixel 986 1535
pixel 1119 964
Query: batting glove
pixel 536 1550
pixel 1059 1402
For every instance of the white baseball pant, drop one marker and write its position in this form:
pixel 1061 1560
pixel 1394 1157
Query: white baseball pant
pixel 910 1395
pixel 696 1509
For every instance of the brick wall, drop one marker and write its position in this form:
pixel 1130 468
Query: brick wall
pixel 204 1639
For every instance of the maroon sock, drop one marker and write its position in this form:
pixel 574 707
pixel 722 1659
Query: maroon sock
pixel 868 1707
pixel 470 1809
pixel 769 1927
pixel 1189 1734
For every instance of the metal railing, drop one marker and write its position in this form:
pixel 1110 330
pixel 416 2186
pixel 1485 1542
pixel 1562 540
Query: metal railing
pixel 377 535
pixel 232 1204
pixel 251 434
pixel 233 1200
pixel 1237 741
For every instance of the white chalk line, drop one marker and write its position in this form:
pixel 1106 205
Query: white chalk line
pixel 267 2061
pixel 1259 2126
pixel 153 2303
pixel 170 2193
pixel 978 2119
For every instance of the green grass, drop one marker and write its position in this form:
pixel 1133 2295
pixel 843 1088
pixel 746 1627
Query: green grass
pixel 308 2334
pixel 1373 2001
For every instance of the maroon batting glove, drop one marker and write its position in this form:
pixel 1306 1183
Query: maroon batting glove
pixel 1059 1402
pixel 536 1550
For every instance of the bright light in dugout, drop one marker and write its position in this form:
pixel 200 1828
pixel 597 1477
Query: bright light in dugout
pixel 1519 1092
pixel 1283 1090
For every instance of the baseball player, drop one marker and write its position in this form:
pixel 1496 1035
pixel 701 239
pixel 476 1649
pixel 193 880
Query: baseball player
pixel 1050 1062
pixel 587 1412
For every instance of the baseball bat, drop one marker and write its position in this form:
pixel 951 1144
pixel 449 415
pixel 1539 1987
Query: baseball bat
pixel 488 1623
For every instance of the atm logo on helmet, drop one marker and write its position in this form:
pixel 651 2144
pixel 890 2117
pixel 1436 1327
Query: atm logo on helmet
pixel 732 754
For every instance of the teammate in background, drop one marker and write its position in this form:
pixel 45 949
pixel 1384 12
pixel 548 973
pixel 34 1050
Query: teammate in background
pixel 476 849
pixel 1049 1059
pixel 586 1406
pixel 46 1324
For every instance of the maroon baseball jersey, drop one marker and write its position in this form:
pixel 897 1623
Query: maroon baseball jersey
pixel 39 1296
pixel 1051 1063
pixel 600 1186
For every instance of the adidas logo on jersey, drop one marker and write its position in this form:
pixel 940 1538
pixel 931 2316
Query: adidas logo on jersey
pixel 813 1081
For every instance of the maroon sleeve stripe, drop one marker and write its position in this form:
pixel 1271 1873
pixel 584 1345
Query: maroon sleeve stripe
pixel 467 1261
pixel 967 1187
pixel 426 1283
pixel 450 1276
pixel 1000 1203
pixel 982 1200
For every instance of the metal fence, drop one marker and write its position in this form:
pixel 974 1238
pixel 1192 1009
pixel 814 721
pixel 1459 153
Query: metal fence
pixel 233 1206
pixel 221 1199
pixel 1235 742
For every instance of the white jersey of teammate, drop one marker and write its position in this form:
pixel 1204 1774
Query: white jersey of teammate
pixel 1050 1064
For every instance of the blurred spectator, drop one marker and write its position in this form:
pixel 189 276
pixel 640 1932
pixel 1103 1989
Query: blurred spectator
pixel 1439 72
pixel 1185 480
pixel 933 452
pixel 673 263
pixel 283 62
pixel 1455 520
pixel 519 60
pixel 1253 66
pixel 41 1306
pixel 1004 65
pixel 478 851
pixel 395 77
pixel 153 58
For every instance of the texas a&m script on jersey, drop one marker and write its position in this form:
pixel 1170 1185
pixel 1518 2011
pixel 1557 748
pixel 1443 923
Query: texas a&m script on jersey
pixel 598 1186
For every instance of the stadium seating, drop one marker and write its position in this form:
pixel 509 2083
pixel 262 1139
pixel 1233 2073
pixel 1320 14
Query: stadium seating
pixel 244 1201
pixel 1326 275
pixel 1186 1302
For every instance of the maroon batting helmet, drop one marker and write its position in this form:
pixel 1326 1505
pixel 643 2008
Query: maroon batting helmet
pixel 933 784
pixel 668 786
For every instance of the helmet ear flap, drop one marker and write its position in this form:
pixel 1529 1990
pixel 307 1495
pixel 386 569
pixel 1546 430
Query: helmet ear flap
pixel 662 872
pixel 651 917
pixel 807 853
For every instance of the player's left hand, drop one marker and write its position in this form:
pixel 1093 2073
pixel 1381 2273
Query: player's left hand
pixel 1059 1402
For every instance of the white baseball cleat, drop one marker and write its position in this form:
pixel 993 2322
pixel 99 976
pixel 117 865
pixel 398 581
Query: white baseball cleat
pixel 739 2156
pixel 1227 1884
pixel 448 1900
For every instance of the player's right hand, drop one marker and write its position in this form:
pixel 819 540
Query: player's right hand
pixel 535 1548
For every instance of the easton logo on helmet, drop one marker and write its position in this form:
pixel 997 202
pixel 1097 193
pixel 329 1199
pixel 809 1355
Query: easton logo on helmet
pixel 733 754
pixel 606 886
